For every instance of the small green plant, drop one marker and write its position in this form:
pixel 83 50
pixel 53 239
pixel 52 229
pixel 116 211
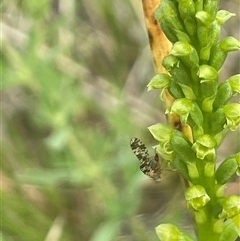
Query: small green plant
pixel 202 102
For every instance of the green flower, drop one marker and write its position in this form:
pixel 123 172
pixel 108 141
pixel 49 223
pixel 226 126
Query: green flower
pixel 205 147
pixel 231 207
pixel 232 113
pixel 170 232
pixel 196 197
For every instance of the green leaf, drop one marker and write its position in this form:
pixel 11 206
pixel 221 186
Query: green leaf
pixel 226 170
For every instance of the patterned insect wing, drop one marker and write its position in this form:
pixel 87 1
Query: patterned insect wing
pixel 149 165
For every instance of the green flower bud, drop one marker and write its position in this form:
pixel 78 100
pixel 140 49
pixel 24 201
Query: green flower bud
pixel 232 113
pixel 229 44
pixel 170 232
pixel 186 53
pixel 226 170
pixel 196 197
pixel 207 73
pixel 186 8
pixel 205 147
pixel 224 94
pixel 234 81
pixel 231 206
pixel 223 16
pixel 208 33
pixel 168 17
pixel 159 81
pixel 204 18
pixel 170 61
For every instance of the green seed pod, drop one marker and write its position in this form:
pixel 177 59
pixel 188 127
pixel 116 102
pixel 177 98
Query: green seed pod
pixel 224 94
pixel 226 170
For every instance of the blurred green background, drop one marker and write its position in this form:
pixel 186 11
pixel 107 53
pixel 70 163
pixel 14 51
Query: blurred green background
pixel 74 76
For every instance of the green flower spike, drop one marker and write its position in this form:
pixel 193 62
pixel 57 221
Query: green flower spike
pixel 205 147
pixel 196 197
